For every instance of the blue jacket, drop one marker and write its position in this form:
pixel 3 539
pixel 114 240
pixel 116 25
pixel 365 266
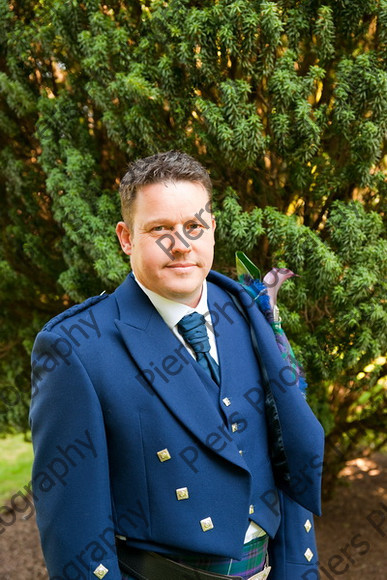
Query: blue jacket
pixel 131 438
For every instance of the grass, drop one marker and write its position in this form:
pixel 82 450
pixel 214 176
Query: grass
pixel 15 465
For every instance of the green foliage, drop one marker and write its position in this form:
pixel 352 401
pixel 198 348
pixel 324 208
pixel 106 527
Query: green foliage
pixel 15 464
pixel 284 101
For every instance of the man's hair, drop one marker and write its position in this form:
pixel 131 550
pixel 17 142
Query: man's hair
pixel 161 167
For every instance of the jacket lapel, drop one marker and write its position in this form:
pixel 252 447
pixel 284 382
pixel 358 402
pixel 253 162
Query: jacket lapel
pixel 154 349
pixel 223 319
pixel 303 436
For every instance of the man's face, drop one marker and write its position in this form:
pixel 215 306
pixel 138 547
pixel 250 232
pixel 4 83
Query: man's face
pixel 171 239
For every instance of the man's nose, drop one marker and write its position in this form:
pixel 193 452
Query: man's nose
pixel 174 243
pixel 182 245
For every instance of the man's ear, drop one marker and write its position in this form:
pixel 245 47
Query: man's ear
pixel 124 237
pixel 213 227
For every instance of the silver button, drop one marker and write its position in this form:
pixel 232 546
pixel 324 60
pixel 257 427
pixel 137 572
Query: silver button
pixel 100 571
pixel 227 401
pixel 234 427
pixel 240 451
pixel 251 509
pixel 308 526
pixel 163 455
pixel 308 554
pixel 182 493
pixel 206 524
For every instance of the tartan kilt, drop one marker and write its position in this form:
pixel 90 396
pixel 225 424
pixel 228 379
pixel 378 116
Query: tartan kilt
pixel 252 561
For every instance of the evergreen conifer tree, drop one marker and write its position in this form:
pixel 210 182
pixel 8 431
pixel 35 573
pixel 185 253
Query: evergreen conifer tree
pixel 285 102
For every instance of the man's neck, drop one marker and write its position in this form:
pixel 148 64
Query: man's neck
pixel 172 310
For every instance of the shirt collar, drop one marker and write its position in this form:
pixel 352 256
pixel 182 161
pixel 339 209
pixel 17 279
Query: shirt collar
pixel 172 312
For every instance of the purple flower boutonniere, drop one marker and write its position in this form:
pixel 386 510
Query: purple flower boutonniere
pixel 264 293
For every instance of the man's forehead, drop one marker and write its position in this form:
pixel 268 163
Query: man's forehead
pixel 171 183
pixel 165 218
pixel 178 194
pixel 170 202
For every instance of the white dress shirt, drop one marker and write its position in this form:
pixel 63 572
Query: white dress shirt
pixel 172 312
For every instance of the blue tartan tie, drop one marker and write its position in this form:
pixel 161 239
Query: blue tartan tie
pixel 193 329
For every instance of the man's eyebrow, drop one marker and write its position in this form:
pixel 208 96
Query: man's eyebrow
pixel 158 222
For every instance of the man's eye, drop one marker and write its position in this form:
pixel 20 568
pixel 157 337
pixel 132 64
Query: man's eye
pixel 160 228
pixel 193 226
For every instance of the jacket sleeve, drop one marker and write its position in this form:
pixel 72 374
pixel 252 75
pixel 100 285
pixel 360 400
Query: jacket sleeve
pixel 70 478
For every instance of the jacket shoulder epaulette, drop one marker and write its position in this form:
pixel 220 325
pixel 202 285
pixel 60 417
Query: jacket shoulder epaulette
pixel 76 309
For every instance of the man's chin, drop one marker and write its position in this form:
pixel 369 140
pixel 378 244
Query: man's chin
pixel 184 276
pixel 184 291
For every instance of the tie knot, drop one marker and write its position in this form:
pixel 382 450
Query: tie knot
pixel 192 327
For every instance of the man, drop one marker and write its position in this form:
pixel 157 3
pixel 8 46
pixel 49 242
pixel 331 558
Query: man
pixel 170 441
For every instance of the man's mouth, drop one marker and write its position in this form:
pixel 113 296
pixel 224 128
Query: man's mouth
pixel 181 265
